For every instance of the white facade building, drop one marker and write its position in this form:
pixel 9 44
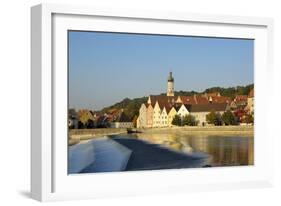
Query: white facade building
pixel 183 111
pixel 156 115
pixel 142 119
pixel 164 118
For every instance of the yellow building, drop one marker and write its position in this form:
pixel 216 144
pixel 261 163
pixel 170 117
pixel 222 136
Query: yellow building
pixel 172 113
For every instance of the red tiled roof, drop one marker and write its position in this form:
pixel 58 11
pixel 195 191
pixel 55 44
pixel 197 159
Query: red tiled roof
pixel 168 106
pixel 201 100
pixel 195 99
pixel 221 99
pixel 163 100
pixel 213 94
pixel 146 105
pixel 188 99
pixel 168 109
pixel 241 98
pixel 168 102
pixel 218 107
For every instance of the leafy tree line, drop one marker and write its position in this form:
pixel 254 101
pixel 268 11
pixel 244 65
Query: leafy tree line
pixel 130 106
pixel 188 120
pixel 228 92
pixel 227 118
pixel 231 91
pixel 183 93
pixel 215 118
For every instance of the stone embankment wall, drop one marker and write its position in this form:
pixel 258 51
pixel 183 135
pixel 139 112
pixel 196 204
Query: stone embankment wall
pixel 84 134
pixel 245 129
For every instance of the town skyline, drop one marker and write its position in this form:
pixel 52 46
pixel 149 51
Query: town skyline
pixel 162 93
pixel 104 68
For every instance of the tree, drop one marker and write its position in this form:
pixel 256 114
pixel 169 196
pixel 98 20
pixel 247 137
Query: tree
pixel 228 118
pixel 189 120
pixel 248 119
pixel 214 118
pixel 177 120
pixel 81 125
pixel 231 91
pixel 84 116
pixel 130 106
pixel 90 124
pixel 135 121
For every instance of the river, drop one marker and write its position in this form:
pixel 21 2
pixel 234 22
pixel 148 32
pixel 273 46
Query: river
pixel 227 150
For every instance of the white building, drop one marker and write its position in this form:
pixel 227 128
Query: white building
pixel 142 119
pixel 183 110
pixel 164 118
pixel 200 111
pixel 156 115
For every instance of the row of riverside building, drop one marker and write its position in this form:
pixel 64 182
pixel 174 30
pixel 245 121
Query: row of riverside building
pixel 160 110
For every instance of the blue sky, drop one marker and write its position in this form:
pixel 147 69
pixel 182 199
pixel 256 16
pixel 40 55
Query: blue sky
pixel 105 68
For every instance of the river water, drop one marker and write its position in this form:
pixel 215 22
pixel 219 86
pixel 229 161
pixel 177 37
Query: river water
pixel 225 150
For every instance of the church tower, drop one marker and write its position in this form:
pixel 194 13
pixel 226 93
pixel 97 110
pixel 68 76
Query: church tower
pixel 170 88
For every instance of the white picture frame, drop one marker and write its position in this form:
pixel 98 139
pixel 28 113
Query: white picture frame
pixel 49 179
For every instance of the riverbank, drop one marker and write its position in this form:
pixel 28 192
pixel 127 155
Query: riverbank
pixel 245 130
pixel 77 135
pixel 86 134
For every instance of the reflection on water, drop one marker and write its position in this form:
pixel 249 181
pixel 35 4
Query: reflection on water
pixel 224 150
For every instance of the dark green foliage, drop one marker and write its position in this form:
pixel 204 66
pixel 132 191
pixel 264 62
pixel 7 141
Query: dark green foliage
pixel 231 91
pixel 177 120
pixel 228 118
pixel 135 119
pixel 183 93
pixel 214 118
pixel 80 125
pixel 90 124
pixel 130 106
pixel 189 120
